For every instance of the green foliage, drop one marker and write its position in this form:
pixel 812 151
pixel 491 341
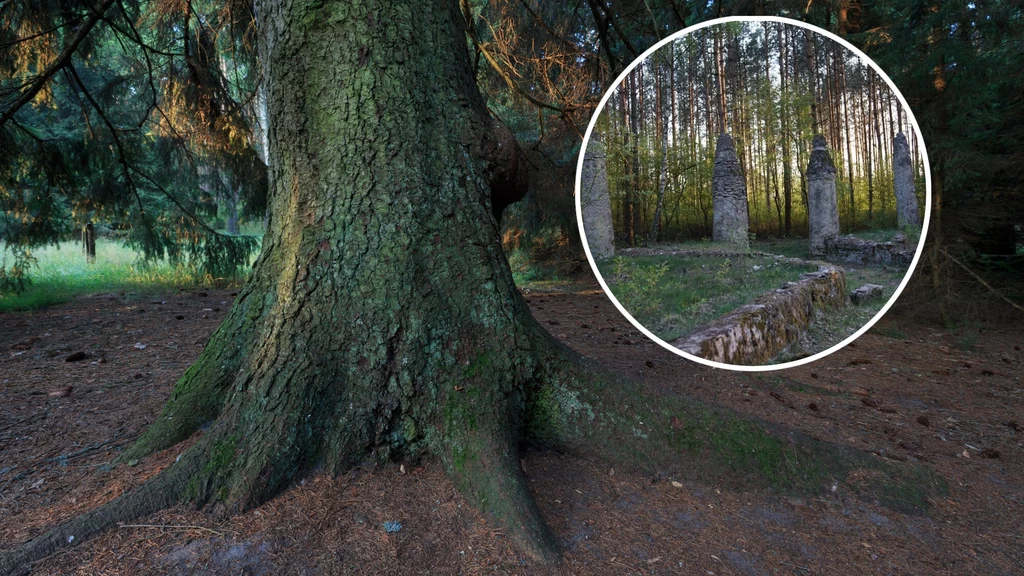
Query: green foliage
pixel 61 273
pixel 770 121
pixel 636 285
pixel 14 262
pixel 140 131
pixel 546 255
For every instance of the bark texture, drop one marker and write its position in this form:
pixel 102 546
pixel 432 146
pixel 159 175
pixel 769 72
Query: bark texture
pixel 381 320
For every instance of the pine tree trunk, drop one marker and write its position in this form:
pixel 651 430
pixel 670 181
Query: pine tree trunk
pixel 787 174
pixel 846 120
pixel 381 320
pixel 812 79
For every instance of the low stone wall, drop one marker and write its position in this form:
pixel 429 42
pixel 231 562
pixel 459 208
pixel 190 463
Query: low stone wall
pixel 755 333
pixel 856 251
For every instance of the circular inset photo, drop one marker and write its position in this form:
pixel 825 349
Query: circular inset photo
pixel 753 193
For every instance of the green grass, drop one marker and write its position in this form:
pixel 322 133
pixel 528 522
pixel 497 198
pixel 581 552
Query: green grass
pixel 61 272
pixel 672 295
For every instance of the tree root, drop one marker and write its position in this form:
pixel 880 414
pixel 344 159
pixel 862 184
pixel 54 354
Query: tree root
pixel 597 413
pixel 164 490
pixel 199 395
pixel 485 468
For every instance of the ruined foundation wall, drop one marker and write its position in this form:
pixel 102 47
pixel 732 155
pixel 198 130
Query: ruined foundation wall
pixel 755 333
pixel 856 251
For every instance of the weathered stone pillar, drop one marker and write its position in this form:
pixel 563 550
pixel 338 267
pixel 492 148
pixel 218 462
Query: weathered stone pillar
pixel 823 211
pixel 595 201
pixel 903 184
pixel 729 194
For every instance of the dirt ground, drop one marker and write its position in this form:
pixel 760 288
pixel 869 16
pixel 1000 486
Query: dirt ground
pixel 917 393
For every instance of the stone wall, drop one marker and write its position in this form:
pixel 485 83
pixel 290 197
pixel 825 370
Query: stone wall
pixel 755 333
pixel 856 251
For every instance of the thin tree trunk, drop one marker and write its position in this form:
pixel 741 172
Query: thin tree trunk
pixel 812 78
pixel 847 120
pixel 720 81
pixel 89 242
pixel 867 147
pixel 787 176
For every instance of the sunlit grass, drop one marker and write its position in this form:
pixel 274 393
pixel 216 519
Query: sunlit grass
pixel 672 295
pixel 61 272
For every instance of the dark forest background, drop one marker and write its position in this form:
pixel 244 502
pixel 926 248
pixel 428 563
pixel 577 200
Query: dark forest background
pixel 142 118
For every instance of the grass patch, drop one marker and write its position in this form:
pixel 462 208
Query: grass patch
pixel 61 272
pixel 673 294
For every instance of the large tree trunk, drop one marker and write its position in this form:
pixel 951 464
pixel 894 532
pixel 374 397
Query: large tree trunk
pixel 381 319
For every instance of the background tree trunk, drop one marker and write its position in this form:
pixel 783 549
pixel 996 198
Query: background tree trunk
pixel 89 242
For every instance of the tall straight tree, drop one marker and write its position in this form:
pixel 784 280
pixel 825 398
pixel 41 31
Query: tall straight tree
pixel 720 80
pixel 661 111
pixel 846 120
pixel 787 175
pixel 812 78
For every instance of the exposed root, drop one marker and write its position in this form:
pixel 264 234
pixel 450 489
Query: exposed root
pixel 197 399
pixel 485 469
pixel 592 411
pixel 156 494
pixel 476 427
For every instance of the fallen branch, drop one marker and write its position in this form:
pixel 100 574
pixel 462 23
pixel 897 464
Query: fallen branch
pixel 983 283
pixel 175 527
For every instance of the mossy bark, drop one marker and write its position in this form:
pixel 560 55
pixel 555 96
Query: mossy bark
pixel 381 320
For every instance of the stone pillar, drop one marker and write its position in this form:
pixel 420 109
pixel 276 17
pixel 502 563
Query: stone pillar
pixel 729 194
pixel 823 211
pixel 596 202
pixel 903 184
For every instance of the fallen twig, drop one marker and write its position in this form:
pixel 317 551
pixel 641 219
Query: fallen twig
pixel 175 527
pixel 983 283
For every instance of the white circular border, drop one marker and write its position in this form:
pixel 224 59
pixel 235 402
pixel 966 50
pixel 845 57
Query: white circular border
pixel 921 148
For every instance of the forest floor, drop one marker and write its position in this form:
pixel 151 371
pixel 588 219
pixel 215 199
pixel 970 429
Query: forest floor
pixel 951 400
